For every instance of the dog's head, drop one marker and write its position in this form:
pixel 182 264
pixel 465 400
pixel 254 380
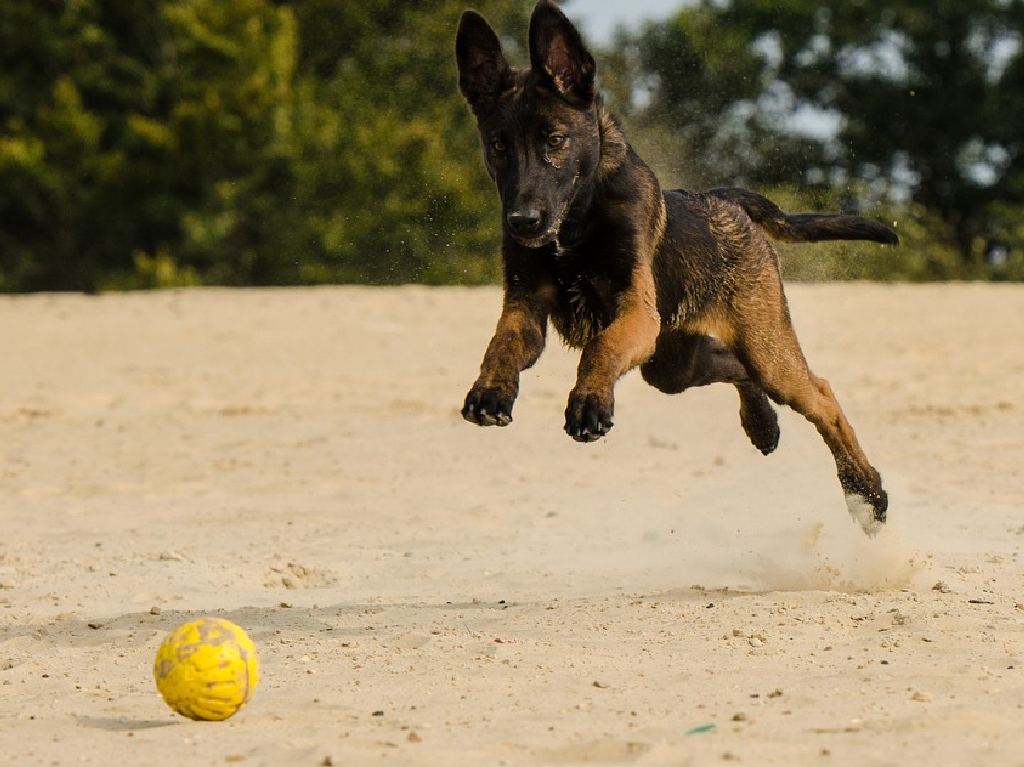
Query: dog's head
pixel 540 128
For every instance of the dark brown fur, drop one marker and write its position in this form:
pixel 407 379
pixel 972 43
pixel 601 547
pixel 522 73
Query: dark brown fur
pixel 684 285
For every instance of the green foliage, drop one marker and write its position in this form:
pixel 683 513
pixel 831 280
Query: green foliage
pixel 929 100
pixel 707 81
pixel 154 143
pixel 167 142
pixel 924 252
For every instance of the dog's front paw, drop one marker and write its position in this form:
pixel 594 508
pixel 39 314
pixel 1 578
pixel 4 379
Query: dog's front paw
pixel 489 405
pixel 588 416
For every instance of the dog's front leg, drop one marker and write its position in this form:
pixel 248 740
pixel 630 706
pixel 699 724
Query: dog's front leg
pixel 628 341
pixel 517 343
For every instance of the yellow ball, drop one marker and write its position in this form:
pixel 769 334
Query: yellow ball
pixel 207 669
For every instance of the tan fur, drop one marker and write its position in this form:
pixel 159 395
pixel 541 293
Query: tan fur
pixel 630 338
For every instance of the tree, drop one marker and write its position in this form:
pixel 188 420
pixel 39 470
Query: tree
pixel 929 98
pixel 697 94
pixel 154 142
pixel 391 165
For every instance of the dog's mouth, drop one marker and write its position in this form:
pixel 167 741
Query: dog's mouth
pixel 539 241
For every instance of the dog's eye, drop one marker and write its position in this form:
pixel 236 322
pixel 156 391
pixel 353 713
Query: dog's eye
pixel 556 140
pixel 498 145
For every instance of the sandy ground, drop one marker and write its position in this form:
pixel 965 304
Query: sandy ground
pixel 294 460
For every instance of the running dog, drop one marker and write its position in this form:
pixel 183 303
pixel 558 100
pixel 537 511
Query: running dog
pixel 685 285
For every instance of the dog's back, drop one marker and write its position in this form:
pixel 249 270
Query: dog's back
pixel 717 246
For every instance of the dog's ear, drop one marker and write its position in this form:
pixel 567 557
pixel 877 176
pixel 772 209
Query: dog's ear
pixel 483 71
pixel 557 53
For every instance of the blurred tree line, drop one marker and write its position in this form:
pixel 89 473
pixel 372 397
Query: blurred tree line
pixel 171 142
pixel 166 142
pixel 908 110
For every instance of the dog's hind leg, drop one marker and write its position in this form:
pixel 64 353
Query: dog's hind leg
pixel 683 360
pixel 767 344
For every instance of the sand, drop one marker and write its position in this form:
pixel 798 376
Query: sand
pixel 427 592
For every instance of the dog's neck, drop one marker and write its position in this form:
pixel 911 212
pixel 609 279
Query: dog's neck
pixel 614 153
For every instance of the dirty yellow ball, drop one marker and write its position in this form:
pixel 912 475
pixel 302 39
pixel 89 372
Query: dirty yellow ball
pixel 207 669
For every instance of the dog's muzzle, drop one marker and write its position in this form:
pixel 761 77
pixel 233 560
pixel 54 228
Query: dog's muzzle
pixel 526 224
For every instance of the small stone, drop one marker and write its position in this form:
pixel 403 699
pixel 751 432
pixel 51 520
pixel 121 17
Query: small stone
pixel 941 587
pixel 739 716
pixel 377 713
pixel 755 642
pixel 155 610
pixel 600 685
pixel 776 693
pixel 921 697
pixel 327 762
pixel 414 738
pixel 285 604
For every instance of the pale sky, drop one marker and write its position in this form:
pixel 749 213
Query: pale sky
pixel 600 17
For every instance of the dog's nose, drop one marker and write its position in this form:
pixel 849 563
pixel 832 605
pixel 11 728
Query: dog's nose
pixel 526 222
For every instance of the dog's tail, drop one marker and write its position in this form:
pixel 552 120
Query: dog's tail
pixel 804 227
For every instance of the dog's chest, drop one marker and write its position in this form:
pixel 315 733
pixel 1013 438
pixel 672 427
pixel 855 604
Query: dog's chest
pixel 586 300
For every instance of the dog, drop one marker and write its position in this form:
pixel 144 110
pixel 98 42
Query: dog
pixel 684 285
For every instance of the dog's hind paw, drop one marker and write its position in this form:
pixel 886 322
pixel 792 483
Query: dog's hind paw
pixel 489 406
pixel 870 514
pixel 760 422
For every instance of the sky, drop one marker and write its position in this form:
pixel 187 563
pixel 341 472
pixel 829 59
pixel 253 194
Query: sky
pixel 600 17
